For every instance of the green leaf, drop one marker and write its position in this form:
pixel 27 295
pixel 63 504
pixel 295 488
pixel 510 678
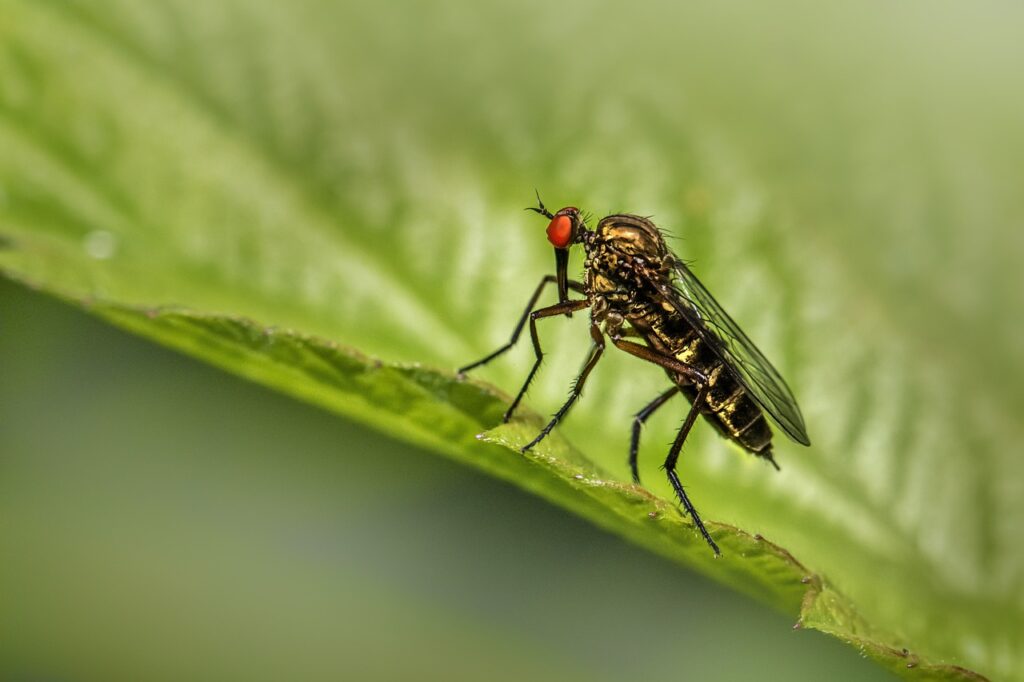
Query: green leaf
pixel 268 187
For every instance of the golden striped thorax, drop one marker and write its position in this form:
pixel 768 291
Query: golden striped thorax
pixel 624 254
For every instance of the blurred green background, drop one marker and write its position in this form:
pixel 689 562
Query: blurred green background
pixel 846 178
pixel 165 521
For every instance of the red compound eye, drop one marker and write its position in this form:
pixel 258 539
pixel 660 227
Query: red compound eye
pixel 560 231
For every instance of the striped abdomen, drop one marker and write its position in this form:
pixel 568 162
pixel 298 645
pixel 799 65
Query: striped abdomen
pixel 727 405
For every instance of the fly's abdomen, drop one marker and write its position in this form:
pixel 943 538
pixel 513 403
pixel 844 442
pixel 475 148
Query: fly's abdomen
pixel 727 405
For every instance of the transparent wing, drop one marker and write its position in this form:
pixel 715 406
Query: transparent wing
pixel 741 356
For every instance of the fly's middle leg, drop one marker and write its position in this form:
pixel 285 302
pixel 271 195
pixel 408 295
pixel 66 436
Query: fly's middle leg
pixel 595 354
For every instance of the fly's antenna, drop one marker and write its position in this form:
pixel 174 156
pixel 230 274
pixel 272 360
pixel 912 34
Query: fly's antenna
pixel 540 208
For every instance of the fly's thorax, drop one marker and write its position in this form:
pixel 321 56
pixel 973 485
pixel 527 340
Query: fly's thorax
pixel 609 291
pixel 625 254
pixel 633 236
pixel 605 291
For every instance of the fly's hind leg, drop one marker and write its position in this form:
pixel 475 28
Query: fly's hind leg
pixel 670 467
pixel 698 378
pixel 638 422
pixel 689 372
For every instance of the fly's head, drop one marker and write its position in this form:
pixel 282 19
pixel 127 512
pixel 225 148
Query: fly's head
pixel 565 228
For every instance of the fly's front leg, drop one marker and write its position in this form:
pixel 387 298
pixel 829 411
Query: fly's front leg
pixel 548 279
pixel 550 311
pixel 595 354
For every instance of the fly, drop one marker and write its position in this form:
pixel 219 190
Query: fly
pixel 636 287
